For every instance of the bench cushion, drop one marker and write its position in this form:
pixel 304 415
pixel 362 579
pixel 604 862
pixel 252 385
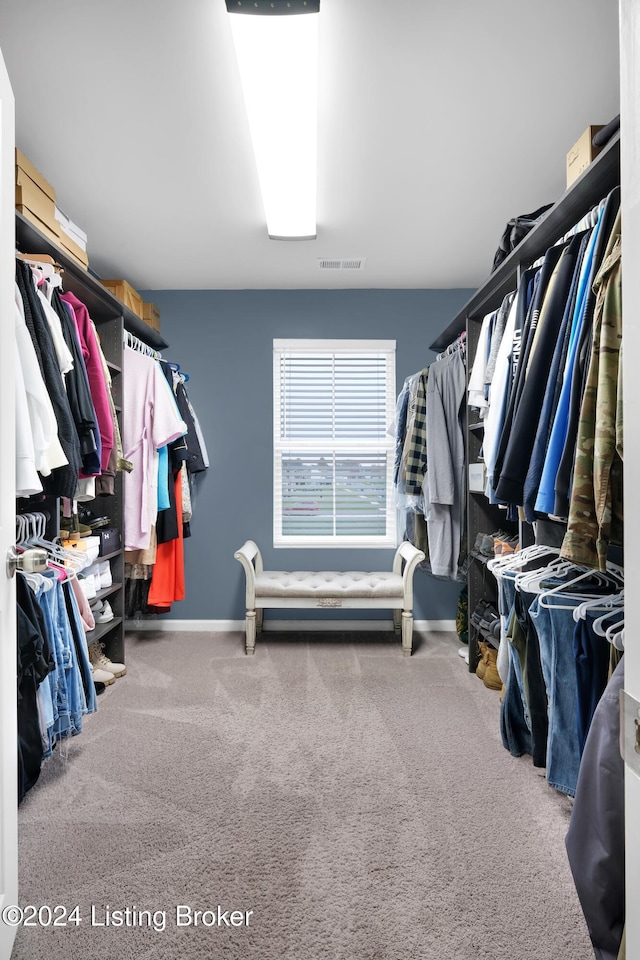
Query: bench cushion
pixel 328 583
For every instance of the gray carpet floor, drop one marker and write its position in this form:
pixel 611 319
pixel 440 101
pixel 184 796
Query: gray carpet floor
pixel 360 804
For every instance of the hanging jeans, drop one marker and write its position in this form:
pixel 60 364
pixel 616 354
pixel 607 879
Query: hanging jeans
pixel 592 655
pixel 555 627
pixel 515 724
pixel 526 638
pixel 516 737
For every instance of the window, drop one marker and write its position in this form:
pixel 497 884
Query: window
pixel 333 403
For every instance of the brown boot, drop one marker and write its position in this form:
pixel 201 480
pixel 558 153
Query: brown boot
pixel 482 665
pixel 491 678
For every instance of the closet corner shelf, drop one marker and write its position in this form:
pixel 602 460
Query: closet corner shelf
pixel 114 367
pixel 600 177
pixel 84 283
pixel 476 426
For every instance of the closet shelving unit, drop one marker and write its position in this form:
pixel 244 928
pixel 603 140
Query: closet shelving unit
pixel 600 177
pixel 111 318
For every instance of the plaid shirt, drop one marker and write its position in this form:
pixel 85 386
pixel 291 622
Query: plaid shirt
pixel 414 454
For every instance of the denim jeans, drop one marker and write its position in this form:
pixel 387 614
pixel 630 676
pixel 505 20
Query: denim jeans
pixel 592 654
pixel 515 723
pixel 81 649
pixel 516 737
pixel 67 693
pixel 535 692
pixel 555 627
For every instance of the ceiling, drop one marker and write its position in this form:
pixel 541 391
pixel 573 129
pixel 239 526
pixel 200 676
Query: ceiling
pixel 438 122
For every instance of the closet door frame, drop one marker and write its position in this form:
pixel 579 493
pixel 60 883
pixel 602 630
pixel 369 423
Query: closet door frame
pixel 8 695
pixel 630 193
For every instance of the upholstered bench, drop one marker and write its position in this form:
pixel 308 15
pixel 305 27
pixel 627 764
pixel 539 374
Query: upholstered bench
pixel 330 589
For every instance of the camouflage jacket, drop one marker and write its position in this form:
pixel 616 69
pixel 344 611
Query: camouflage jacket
pixel 596 509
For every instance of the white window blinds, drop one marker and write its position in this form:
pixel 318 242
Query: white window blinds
pixel 334 401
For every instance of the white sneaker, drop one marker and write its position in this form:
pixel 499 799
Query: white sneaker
pixel 88 586
pixel 104 613
pixel 106 580
pixel 102 662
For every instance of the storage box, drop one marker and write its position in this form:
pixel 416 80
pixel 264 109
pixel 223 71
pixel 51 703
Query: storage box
pixel 477 477
pixel 42 227
pixel 151 315
pixel 73 249
pixel 125 294
pixel 22 163
pixel 110 540
pixel 35 197
pixel 582 153
pixel 71 229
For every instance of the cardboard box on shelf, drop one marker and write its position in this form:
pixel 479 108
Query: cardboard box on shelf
pixel 35 197
pixel 582 153
pixel 22 163
pixel 71 247
pixel 43 227
pixel 71 229
pixel 151 315
pixel 126 294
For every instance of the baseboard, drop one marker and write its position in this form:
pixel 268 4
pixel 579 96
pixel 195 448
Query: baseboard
pixel 281 626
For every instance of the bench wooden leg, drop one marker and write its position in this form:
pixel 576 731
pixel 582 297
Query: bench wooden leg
pixel 407 633
pixel 397 620
pixel 251 631
pixel 259 619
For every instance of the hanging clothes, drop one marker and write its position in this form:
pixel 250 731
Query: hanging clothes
pixel 595 839
pixel 429 470
pixel 596 510
pixel 95 375
pixel 153 422
pixel 444 485
pixel 62 481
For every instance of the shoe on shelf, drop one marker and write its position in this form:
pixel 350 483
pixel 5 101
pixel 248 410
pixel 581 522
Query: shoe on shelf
pixel 478 614
pixel 106 579
pixel 88 585
pixel 506 545
pixel 104 614
pixel 89 518
pixel 72 527
pixel 490 623
pixel 100 661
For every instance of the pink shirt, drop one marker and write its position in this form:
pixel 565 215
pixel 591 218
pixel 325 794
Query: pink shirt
pixel 95 375
pixel 151 420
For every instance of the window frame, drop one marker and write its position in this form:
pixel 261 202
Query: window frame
pixel 384 541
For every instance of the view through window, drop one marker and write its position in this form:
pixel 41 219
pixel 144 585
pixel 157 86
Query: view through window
pixel 334 401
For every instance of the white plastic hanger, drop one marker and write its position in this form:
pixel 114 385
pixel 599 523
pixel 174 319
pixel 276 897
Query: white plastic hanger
pixel 597 603
pixel 598 625
pixel 565 588
pixel 615 634
pixel 526 555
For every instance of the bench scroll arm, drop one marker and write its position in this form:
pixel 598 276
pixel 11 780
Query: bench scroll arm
pixel 412 557
pixel 251 559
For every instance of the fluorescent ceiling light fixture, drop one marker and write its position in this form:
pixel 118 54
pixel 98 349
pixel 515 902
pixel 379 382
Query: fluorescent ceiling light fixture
pixel 276 45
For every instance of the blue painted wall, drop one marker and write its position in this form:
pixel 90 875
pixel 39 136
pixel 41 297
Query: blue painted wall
pixel 224 340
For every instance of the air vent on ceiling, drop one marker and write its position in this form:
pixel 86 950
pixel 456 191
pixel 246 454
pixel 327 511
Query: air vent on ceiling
pixel 354 263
